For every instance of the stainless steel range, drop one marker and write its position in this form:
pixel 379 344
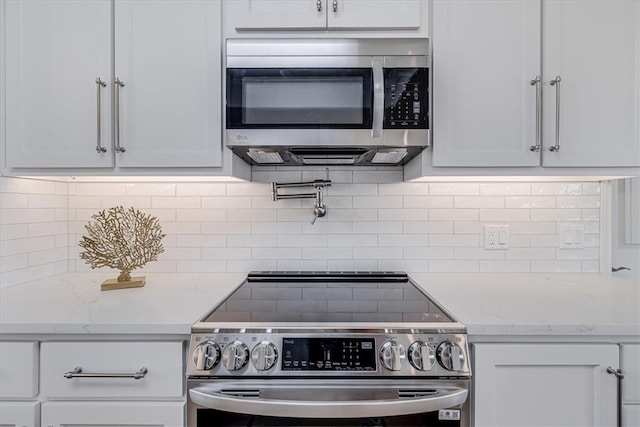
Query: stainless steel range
pixel 328 349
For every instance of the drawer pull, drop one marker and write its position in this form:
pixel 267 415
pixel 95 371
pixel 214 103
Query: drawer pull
pixel 77 373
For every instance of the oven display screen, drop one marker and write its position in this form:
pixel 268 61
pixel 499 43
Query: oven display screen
pixel 328 354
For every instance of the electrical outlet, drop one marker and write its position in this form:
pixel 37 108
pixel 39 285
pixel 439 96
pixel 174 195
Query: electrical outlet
pixel 496 237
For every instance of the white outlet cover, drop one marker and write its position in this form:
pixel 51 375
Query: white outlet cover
pixel 496 237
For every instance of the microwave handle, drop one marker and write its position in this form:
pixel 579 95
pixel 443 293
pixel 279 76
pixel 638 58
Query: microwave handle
pixel 378 97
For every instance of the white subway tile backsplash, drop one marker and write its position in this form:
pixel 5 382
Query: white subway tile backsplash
pixel 505 215
pixel 530 202
pixel 432 202
pixel 454 189
pixel 505 189
pixel 486 202
pixel 556 188
pixel 150 189
pixel 373 222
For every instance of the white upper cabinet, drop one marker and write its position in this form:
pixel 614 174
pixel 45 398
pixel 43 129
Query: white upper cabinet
pixel 167 84
pixel 594 48
pixel 485 55
pixel 167 56
pixel 485 108
pixel 55 52
pixel 242 15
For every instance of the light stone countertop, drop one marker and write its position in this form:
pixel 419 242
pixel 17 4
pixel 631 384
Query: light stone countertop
pixel 586 306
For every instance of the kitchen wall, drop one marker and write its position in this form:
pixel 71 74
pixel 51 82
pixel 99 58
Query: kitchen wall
pixel 374 221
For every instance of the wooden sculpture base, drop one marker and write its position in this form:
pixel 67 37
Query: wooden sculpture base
pixel 111 284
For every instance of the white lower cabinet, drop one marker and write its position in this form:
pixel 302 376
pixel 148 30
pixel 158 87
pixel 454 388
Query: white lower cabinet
pixel 19 414
pixel 113 383
pixel 18 382
pixel 630 365
pixel 112 414
pixel 545 385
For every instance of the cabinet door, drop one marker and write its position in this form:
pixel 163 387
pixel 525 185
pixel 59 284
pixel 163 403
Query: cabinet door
pixel 55 51
pixel 594 47
pixel 630 362
pixel 168 55
pixel 19 414
pixel 112 414
pixel 544 385
pixel 371 15
pixel 18 369
pixel 276 14
pixel 485 54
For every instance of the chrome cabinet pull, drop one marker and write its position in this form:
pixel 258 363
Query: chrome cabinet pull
pixel 619 376
pixel 77 373
pixel 556 82
pixel 537 83
pixel 319 5
pixel 335 5
pixel 119 83
pixel 99 85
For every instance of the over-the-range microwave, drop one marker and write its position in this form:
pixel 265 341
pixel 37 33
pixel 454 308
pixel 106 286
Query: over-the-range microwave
pixel 327 101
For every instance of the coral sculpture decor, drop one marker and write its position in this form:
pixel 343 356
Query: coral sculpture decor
pixel 124 240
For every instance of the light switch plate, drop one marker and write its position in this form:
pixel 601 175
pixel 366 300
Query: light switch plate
pixel 496 237
pixel 571 236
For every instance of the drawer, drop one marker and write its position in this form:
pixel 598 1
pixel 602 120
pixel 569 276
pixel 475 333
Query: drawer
pixel 107 369
pixel 100 414
pixel 18 369
pixel 630 415
pixel 22 414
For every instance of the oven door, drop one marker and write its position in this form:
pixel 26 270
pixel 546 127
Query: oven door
pixel 349 402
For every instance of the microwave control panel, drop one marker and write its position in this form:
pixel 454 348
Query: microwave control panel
pixel 405 98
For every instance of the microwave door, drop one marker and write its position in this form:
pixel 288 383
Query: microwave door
pixel 378 97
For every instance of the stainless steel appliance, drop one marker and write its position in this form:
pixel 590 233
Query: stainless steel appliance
pixel 328 349
pixel 327 101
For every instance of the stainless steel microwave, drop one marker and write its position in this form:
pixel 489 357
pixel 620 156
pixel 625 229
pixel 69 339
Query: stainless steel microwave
pixel 327 101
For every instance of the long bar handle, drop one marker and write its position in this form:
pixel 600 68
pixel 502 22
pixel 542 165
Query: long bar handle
pixel 319 5
pixel 537 82
pixel 99 85
pixel 335 5
pixel 556 82
pixel 119 83
pixel 77 373
pixel 619 376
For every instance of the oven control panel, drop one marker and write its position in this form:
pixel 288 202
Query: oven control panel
pixel 295 354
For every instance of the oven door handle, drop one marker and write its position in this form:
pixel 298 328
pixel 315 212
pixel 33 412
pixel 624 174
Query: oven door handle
pixel 244 400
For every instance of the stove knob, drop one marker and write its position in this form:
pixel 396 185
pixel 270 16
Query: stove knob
pixel 421 356
pixel 206 355
pixel 392 355
pixel 264 356
pixel 450 356
pixel 235 355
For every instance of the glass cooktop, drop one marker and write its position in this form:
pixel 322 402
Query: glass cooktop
pixel 345 297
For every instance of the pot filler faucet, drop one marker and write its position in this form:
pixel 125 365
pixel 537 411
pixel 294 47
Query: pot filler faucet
pixel 319 210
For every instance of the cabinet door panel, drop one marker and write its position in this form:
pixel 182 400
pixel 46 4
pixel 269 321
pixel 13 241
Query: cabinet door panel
pixel 276 14
pixel 363 15
pixel 630 362
pixel 19 414
pixel 55 50
pixel 18 369
pixel 485 53
pixel 544 385
pixel 168 56
pixel 113 414
pixel 594 46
